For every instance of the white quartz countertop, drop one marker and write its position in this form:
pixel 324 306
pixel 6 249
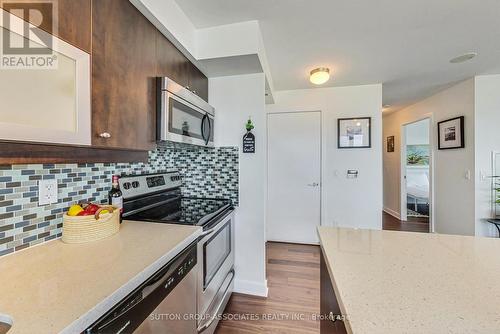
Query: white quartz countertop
pixel 57 287
pixel 401 282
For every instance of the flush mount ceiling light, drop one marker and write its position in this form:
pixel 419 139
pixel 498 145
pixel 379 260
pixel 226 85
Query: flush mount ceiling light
pixel 463 58
pixel 320 75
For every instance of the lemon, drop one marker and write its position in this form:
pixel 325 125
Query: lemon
pixel 103 212
pixel 74 210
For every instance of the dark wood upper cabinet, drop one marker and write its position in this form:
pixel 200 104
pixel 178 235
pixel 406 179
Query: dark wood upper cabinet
pixel 127 54
pixel 198 82
pixel 124 68
pixel 73 19
pixel 171 62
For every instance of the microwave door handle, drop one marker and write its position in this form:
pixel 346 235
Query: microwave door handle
pixel 207 140
pixel 203 126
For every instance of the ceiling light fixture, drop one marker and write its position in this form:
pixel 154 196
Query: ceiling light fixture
pixel 320 75
pixel 463 58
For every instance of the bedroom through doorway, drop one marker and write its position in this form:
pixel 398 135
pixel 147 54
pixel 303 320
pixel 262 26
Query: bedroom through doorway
pixel 416 172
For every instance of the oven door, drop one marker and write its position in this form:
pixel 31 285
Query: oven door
pixel 184 122
pixel 216 254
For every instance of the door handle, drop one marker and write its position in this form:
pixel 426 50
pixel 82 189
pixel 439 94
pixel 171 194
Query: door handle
pixel 313 184
pixel 203 127
pixel 209 130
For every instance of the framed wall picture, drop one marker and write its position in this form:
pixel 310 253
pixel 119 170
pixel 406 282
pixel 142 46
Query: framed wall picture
pixel 354 132
pixel 390 144
pixel 451 133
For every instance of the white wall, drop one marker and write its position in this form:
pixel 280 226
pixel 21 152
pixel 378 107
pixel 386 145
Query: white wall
pixel 487 140
pixel 453 210
pixel 235 39
pixel 345 202
pixel 236 98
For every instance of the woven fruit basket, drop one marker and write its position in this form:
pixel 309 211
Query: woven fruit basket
pixel 82 229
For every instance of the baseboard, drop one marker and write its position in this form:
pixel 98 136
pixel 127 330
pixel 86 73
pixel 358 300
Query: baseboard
pixel 393 213
pixel 251 288
pixel 286 241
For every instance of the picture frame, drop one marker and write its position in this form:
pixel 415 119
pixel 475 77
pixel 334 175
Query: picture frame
pixel 354 132
pixel 390 144
pixel 451 133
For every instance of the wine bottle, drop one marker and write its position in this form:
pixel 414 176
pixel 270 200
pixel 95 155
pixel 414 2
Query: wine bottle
pixel 115 196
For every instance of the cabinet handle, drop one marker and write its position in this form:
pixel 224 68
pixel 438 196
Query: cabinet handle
pixel 105 135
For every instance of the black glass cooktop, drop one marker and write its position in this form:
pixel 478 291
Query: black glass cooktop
pixel 178 210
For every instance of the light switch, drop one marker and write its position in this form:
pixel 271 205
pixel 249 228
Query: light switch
pixel 352 174
pixel 47 192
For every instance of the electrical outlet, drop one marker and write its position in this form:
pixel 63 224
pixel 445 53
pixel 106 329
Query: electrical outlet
pixel 47 192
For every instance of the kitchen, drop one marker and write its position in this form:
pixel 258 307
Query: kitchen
pixel 147 184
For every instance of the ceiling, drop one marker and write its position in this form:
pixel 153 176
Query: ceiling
pixel 406 45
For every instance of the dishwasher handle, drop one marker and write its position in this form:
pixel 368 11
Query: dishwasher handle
pixel 132 310
pixel 162 276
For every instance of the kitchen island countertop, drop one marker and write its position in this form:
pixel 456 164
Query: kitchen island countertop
pixel 57 287
pixel 401 282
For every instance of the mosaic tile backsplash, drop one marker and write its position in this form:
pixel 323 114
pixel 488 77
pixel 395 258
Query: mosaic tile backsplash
pixel 207 172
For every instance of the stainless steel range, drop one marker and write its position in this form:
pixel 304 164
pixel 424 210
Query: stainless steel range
pixel 157 198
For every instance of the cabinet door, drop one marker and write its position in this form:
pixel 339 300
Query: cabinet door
pixel 47 101
pixel 171 62
pixel 198 82
pixel 328 303
pixel 72 19
pixel 123 76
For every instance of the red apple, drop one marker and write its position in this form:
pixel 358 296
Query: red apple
pixel 92 208
pixel 84 213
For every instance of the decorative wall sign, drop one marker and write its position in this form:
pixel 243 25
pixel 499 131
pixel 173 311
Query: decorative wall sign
pixel 451 133
pixel 390 144
pixel 249 138
pixel 354 132
pixel 249 143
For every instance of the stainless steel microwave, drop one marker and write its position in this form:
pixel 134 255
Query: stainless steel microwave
pixel 183 116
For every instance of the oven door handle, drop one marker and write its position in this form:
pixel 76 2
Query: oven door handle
pixel 204 234
pixel 219 305
pixel 221 223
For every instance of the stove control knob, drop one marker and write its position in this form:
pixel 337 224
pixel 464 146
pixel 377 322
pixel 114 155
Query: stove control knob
pixel 135 184
pixel 127 185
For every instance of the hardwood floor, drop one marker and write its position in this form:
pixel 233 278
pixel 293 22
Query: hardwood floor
pixel 293 278
pixel 414 224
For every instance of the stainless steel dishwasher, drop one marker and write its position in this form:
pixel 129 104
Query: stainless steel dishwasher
pixel 165 303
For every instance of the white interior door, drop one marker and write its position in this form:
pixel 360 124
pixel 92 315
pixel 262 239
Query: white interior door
pixel 294 177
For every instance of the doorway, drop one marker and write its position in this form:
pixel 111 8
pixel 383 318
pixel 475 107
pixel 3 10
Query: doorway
pixel 416 173
pixel 294 177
